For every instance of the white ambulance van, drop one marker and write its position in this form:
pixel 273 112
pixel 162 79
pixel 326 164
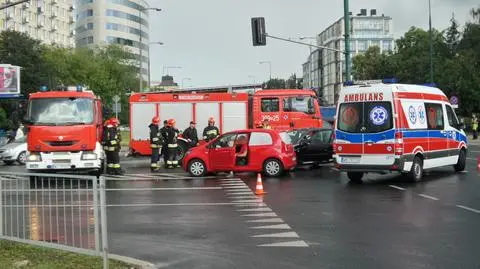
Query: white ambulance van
pixel 396 127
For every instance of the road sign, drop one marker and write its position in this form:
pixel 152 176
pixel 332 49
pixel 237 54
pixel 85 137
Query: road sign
pixel 454 101
pixel 116 98
pixel 117 108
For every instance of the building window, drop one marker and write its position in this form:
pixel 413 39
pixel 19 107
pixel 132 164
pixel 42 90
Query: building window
pixel 85 41
pixel 84 14
pixel 85 2
pixel 129 4
pixel 125 29
pixel 125 42
pixel 123 15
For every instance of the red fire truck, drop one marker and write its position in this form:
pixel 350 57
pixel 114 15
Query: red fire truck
pixel 64 131
pixel 285 109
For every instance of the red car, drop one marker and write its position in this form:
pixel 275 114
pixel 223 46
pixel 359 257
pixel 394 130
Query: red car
pixel 255 150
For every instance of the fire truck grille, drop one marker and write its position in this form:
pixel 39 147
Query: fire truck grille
pixel 61 143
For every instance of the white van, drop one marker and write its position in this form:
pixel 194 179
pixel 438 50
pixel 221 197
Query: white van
pixel 396 127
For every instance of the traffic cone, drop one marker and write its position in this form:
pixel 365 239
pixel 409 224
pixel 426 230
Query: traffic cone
pixel 259 188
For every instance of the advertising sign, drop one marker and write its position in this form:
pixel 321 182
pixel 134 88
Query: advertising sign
pixel 9 80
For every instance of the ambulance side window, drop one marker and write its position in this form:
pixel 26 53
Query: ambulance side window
pixel 434 116
pixel 452 118
pixel 270 105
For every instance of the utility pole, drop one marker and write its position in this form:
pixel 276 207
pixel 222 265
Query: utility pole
pixel 430 39
pixel 347 40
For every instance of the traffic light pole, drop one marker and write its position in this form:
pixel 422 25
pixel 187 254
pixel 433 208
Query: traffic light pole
pixel 347 40
pixel 13 4
pixel 303 43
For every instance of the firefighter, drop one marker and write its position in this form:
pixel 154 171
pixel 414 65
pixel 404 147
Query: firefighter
pixel 112 142
pixel 191 135
pixel 211 131
pixel 156 142
pixel 172 134
pixel 266 124
pixel 163 133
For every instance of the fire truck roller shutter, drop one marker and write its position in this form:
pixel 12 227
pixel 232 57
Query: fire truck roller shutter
pixel 142 114
pixel 234 116
pixel 181 112
pixel 204 111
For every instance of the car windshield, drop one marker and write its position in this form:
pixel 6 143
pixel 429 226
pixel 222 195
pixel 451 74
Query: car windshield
pixel 365 117
pixel 296 135
pixel 61 111
pixel 303 104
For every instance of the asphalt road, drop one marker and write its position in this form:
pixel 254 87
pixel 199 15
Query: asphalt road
pixel 307 219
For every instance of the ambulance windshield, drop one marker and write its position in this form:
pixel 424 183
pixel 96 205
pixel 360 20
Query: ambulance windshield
pixel 365 117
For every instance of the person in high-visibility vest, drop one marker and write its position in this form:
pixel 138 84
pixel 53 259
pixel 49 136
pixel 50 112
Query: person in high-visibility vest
pixel 266 124
pixel 164 151
pixel 156 142
pixel 172 134
pixel 211 131
pixel 111 141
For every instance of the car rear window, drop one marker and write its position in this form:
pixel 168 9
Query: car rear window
pixel 286 138
pixel 365 117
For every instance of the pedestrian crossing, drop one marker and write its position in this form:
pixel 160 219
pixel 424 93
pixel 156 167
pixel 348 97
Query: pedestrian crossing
pixel 265 225
pixel 153 176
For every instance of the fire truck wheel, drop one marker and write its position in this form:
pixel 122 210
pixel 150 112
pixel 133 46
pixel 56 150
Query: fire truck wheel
pixel 197 168
pixel 417 169
pixel 273 168
pixel 355 177
pixel 462 159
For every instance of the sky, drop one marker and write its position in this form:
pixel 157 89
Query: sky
pixel 211 40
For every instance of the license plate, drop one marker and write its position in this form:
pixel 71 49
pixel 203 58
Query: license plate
pixel 351 160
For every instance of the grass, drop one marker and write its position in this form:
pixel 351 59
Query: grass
pixel 13 253
pixel 125 138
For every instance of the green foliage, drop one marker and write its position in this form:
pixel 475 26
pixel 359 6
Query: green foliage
pixel 456 61
pixel 275 83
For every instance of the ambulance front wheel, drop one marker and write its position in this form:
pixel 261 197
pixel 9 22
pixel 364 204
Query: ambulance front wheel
pixel 416 173
pixel 355 177
pixel 462 160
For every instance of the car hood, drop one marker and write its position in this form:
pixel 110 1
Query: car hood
pixel 13 146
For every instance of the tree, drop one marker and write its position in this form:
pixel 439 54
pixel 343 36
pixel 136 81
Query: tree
pixel 373 65
pixel 275 83
pixel 291 82
pixel 452 37
pixel 19 49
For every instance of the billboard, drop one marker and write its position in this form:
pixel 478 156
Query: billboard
pixel 9 80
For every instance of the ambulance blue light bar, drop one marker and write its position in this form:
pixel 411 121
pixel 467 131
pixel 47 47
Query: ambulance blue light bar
pixel 389 80
pixel 431 84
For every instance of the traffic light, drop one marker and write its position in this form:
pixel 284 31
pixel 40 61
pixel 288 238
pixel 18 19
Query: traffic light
pixel 258 32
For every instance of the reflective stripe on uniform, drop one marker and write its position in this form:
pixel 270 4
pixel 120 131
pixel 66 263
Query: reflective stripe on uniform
pixel 113 142
pixel 154 146
pixel 204 137
pixel 110 165
pixel 154 165
pixel 169 162
pixel 212 132
pixel 175 162
pixel 116 165
pixel 155 139
pixel 110 148
pixel 172 145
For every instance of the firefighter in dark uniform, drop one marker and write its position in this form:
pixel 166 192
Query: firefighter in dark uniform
pixel 164 152
pixel 191 135
pixel 112 147
pixel 156 142
pixel 211 131
pixel 172 145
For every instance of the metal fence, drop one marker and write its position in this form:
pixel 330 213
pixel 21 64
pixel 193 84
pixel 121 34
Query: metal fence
pixel 52 210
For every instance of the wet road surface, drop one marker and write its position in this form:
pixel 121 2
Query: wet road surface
pixel 308 219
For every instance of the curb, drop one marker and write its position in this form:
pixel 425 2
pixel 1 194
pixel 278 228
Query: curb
pixel 132 261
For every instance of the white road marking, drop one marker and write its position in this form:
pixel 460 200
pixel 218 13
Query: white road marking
pixel 272 220
pixel 236 187
pixel 469 209
pixel 476 151
pixel 166 189
pixel 429 197
pixel 463 172
pixel 233 184
pixel 249 201
pixel 473 159
pixel 231 179
pixel 299 243
pixel 278 235
pixel 397 187
pixel 242 197
pixel 276 226
pixel 257 204
pixel 239 193
pixel 270 214
pixel 172 204
pixel 260 209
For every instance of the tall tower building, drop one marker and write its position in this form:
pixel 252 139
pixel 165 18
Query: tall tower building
pixel 50 21
pixel 123 22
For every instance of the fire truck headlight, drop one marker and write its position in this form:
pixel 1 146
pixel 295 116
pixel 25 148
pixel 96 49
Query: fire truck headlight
pixel 34 157
pixel 88 155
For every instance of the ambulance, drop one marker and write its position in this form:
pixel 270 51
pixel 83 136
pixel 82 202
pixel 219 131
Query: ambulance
pixel 396 127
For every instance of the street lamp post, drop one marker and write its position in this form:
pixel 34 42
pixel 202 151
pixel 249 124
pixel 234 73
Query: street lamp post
pixel 169 67
pixel 430 39
pixel 141 44
pixel 346 16
pixel 270 67
pixel 183 81
pixel 151 43
pixel 254 79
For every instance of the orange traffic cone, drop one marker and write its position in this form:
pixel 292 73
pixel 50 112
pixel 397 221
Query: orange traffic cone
pixel 259 188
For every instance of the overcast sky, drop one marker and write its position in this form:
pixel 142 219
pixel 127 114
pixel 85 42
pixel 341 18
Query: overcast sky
pixel 211 39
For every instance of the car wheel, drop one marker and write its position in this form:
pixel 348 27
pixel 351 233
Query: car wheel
pixel 197 168
pixel 355 177
pixel 416 172
pixel 462 160
pixel 8 162
pixel 22 157
pixel 273 168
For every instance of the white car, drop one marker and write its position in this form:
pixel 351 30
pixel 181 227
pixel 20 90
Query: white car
pixel 14 152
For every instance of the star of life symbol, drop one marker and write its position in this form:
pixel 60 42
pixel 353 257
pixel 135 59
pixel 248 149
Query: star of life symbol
pixel 412 115
pixel 421 114
pixel 378 115
pixel 285 117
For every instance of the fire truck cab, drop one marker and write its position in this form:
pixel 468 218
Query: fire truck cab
pixel 64 131
pixel 285 109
